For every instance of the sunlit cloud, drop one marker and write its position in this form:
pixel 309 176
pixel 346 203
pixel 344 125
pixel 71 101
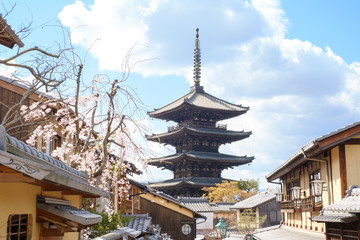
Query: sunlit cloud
pixel 292 86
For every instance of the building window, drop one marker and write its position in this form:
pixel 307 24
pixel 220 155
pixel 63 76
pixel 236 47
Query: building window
pixel 56 142
pixel 18 227
pixel 186 229
pixel 51 144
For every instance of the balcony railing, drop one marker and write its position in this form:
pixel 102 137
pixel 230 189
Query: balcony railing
pixel 198 124
pixel 307 204
pixel 287 203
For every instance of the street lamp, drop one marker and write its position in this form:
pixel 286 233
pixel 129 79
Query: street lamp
pixel 221 228
pixel 317 186
pixel 279 196
pixel 295 191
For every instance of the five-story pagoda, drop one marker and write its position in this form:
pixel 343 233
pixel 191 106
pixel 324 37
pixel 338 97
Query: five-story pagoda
pixel 197 162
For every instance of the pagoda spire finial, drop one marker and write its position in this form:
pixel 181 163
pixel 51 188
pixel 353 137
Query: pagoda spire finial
pixel 197 61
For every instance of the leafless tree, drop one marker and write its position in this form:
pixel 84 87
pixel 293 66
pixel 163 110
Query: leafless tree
pixel 57 75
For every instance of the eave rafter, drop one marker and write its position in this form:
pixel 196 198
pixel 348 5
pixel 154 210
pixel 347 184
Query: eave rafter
pixel 191 158
pixel 178 137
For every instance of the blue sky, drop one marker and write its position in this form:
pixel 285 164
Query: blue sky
pixel 294 63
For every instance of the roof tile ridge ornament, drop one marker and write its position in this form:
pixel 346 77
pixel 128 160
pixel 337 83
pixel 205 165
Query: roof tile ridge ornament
pixel 349 191
pixel 197 64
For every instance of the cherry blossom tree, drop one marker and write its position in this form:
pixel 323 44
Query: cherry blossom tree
pixel 96 132
pixel 38 72
pixel 95 118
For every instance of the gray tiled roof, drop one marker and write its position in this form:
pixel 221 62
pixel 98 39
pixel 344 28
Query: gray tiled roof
pixel 222 206
pixel 210 156
pixel 200 131
pixel 71 213
pixel 16 83
pixel 164 196
pixel 202 100
pixel 257 200
pixel 342 211
pixel 126 231
pixel 196 203
pixel 67 211
pixel 355 124
pixel 203 181
pixel 21 157
pixel 119 234
pixel 140 222
pixel 14 145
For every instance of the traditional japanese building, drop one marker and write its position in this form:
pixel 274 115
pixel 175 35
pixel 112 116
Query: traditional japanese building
pixel 318 183
pixel 197 137
pixel 41 197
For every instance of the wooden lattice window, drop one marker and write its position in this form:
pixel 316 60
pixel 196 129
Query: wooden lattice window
pixel 18 227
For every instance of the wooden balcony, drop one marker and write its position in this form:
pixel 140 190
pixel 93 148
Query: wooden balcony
pixel 198 124
pixel 287 205
pixel 307 204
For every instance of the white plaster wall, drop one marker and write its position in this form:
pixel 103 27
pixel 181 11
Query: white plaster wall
pixel 208 224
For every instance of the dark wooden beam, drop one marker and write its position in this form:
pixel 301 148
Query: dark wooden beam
pixel 353 141
pixel 343 180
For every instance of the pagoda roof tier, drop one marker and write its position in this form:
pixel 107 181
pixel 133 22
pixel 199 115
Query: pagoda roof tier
pixel 228 160
pixel 222 136
pixel 201 101
pixel 189 181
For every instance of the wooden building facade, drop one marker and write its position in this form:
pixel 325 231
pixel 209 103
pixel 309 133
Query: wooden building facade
pixel 11 93
pixel 171 219
pixel 331 160
pixel 41 197
pixel 174 218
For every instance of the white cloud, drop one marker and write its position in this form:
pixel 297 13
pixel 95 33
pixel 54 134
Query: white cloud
pixel 166 28
pixel 7 71
pixel 296 90
pixel 273 14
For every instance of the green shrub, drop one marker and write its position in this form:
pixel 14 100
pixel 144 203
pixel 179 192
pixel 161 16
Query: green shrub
pixel 108 224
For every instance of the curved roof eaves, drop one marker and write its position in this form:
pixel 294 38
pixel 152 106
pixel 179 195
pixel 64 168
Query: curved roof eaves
pixel 40 155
